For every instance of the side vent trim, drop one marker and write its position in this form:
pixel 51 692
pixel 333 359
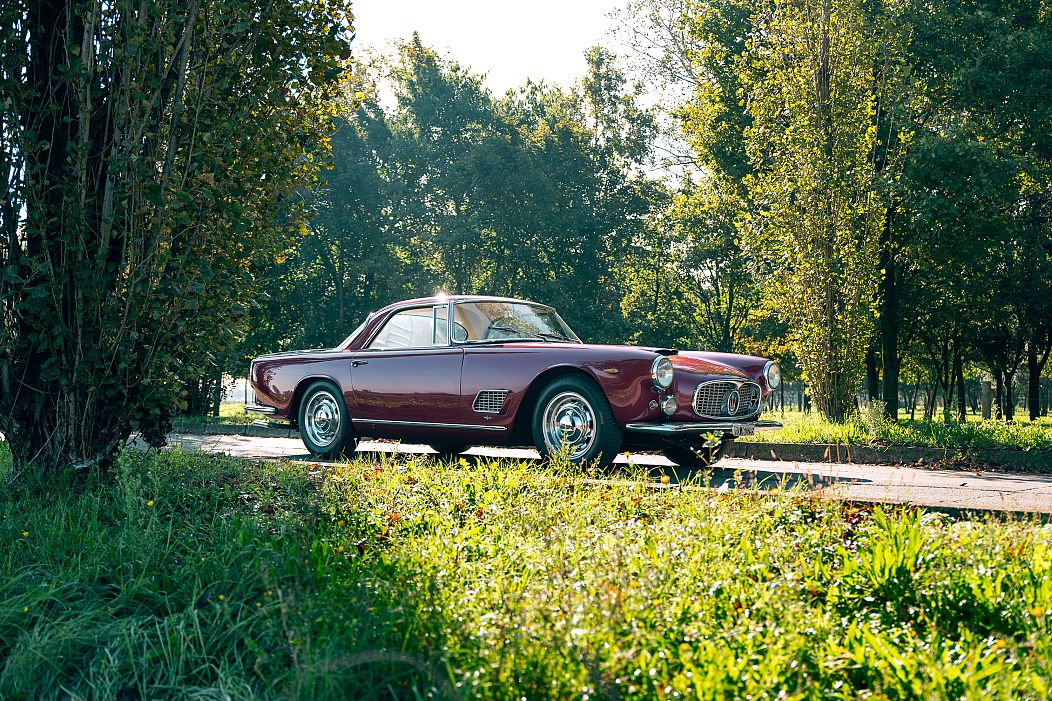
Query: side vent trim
pixel 490 401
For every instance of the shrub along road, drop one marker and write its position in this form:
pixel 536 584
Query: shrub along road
pixel 943 489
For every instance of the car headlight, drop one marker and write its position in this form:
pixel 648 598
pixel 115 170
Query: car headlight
pixel 669 405
pixel 773 374
pixel 661 372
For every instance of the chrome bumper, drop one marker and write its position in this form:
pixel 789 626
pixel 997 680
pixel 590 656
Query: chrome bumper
pixel 260 409
pixel 735 428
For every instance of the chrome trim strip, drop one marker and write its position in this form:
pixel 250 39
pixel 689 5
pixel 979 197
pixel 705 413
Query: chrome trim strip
pixel 702 427
pixel 426 424
pixel 260 409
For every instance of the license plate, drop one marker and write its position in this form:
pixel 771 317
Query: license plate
pixel 738 431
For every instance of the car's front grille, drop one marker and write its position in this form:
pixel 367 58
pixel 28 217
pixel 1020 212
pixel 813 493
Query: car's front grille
pixel 726 399
pixel 490 401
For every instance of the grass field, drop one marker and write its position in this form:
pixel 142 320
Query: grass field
pixel 863 429
pixel 185 576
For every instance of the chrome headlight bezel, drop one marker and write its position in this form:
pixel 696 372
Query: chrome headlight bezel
pixel 662 372
pixel 669 404
pixel 772 375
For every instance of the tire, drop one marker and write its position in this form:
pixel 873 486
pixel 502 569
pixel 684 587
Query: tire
pixel 697 456
pixel 575 410
pixel 448 451
pixel 325 424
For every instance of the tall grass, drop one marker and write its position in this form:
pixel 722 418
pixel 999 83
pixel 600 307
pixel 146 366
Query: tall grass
pixel 184 576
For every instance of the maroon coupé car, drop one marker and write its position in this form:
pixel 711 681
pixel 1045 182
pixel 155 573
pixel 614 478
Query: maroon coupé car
pixel 459 371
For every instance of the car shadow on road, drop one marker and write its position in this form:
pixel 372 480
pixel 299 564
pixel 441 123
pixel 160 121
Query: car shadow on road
pixel 717 477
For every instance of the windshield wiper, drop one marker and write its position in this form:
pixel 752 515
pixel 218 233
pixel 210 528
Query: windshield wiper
pixel 553 336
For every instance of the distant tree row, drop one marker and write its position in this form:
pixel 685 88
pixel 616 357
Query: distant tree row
pixel 886 169
pixel 437 185
pixel 860 188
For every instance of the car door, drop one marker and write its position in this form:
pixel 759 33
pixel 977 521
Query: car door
pixel 409 374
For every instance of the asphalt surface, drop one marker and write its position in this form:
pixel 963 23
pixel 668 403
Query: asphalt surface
pixel 942 489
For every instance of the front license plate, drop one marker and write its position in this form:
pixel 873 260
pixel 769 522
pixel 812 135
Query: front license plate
pixel 739 431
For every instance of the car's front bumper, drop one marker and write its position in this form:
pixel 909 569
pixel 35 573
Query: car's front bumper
pixel 261 409
pixel 734 428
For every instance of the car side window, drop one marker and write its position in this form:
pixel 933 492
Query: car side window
pixel 423 327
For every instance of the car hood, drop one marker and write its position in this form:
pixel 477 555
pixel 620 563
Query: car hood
pixel 699 362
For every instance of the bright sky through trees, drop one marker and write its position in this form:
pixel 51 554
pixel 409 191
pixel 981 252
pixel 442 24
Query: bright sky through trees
pixel 510 42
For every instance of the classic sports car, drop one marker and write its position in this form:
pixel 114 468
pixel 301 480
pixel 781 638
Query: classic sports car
pixel 459 371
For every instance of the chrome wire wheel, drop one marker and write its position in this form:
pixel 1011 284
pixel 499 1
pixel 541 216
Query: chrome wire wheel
pixel 569 423
pixel 321 419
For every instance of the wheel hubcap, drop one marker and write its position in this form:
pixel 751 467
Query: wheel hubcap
pixel 321 420
pixel 569 423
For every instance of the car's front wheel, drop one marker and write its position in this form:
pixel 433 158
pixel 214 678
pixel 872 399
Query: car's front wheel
pixel 573 417
pixel 697 456
pixel 325 425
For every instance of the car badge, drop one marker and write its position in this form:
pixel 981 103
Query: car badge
pixel 733 401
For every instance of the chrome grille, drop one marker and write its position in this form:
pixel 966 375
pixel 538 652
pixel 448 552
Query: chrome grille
pixel 490 401
pixel 713 399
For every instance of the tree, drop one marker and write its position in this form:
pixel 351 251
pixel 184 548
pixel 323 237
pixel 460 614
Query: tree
pixel 815 78
pixel 151 154
pixel 689 282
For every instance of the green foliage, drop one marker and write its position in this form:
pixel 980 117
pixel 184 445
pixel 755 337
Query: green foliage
pixel 814 83
pixel 688 283
pixel 202 576
pixel 150 153
pixel 533 194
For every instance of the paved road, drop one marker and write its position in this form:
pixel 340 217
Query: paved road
pixel 944 489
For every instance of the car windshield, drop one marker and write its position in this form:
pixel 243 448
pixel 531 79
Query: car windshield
pixel 481 322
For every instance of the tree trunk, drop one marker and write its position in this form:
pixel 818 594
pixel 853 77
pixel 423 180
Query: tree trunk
pixel 962 399
pixel 999 395
pixel 986 398
pixel 1035 364
pixel 889 322
pixel 872 374
pixel 1009 408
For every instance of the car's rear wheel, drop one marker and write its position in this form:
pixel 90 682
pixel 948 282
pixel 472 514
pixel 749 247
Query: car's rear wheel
pixel 325 425
pixel 573 417
pixel 448 451
pixel 697 456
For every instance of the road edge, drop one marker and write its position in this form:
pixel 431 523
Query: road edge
pixel 961 458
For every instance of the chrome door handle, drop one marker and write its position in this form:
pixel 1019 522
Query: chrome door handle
pixel 356 363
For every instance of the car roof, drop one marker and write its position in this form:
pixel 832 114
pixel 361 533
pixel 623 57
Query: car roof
pixel 439 299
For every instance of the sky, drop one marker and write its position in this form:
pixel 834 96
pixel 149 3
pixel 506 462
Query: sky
pixel 508 41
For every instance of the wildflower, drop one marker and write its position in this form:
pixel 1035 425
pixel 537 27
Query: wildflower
pixel 221 597
pixel 150 502
pixel 25 534
pixel 25 609
pixel 665 479
pixel 341 523
pixel 258 604
pixel 269 592
pixel 339 549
